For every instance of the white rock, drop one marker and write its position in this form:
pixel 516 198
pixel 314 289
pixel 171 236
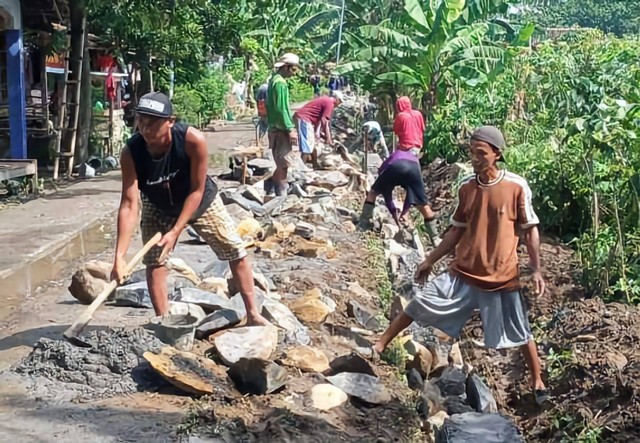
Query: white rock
pixel 246 342
pixel 326 396
pixel 180 308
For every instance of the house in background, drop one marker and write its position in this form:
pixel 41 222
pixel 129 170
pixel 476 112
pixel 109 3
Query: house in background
pixel 23 86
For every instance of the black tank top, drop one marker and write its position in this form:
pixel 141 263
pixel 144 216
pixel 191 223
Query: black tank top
pixel 166 181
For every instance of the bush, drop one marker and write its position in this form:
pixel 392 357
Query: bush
pixel 197 105
pixel 571 115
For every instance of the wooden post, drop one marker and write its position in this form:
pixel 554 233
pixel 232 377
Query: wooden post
pixel 73 127
pixel 365 164
pixel 110 141
pixel 61 96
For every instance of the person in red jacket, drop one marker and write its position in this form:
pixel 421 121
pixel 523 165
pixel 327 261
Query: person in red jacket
pixel 408 126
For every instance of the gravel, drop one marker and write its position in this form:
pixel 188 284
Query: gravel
pixel 112 366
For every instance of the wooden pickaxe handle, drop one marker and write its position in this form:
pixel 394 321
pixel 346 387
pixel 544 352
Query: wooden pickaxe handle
pixel 76 328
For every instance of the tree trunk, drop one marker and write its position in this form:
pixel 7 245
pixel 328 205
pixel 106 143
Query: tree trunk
pixel 86 109
pixel 77 11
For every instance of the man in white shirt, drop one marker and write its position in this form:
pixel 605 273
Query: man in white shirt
pixel 372 132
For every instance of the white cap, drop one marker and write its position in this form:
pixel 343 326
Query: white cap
pixel 287 59
pixel 338 95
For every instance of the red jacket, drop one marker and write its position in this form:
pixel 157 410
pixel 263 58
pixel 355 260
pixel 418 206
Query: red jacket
pixel 408 125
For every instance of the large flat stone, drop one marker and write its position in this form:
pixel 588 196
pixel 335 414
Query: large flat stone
pixel 363 386
pixel 246 342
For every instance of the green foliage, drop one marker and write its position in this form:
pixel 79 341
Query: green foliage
pixel 571 116
pixel 426 47
pixel 197 105
pixel 619 17
pixel 300 90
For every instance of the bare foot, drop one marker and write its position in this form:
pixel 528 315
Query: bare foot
pixel 257 320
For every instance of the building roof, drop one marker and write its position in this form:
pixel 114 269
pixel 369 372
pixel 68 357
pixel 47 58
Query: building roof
pixel 42 14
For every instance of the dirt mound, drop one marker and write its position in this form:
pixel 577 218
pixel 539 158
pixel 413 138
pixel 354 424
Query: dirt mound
pixel 588 348
pixel 112 366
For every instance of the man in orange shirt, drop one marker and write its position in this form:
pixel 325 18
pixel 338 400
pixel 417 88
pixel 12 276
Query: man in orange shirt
pixel 493 206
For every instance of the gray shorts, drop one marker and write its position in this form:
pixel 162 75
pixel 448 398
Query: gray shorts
pixel 280 145
pixel 447 302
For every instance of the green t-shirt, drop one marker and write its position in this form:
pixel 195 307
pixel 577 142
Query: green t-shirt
pixel 278 110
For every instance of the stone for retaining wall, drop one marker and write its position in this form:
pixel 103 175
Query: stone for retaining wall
pixel 90 280
pixel 363 386
pixel 473 427
pixel 247 342
pixel 257 376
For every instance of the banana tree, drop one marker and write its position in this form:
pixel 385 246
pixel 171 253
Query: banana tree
pixel 434 45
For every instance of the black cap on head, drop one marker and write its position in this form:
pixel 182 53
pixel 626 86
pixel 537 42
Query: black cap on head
pixel 155 104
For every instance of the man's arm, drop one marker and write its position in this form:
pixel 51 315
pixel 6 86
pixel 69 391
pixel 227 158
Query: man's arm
pixel 281 95
pixel 448 245
pixel 196 149
pixel 327 132
pixel 532 241
pixel 128 211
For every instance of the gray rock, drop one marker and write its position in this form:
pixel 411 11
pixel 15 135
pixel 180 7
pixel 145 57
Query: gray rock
pixel 209 301
pixel 479 396
pixel 238 213
pixel 280 315
pixel 352 363
pixel 305 230
pixel 135 295
pixel 414 379
pixel 346 212
pixel 363 386
pixel 362 315
pixel 246 342
pixel 272 207
pixel 229 198
pixel 296 189
pixel 430 400
pixel 180 308
pixel 473 427
pixel 257 376
pixel 330 180
pixel 218 320
pixel 253 194
pixel 261 166
pixel 456 405
pixel 236 302
pixel 452 382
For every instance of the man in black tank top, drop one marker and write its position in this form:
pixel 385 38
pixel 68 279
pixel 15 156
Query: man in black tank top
pixel 167 164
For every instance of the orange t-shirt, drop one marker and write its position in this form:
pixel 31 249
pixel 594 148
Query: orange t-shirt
pixel 487 254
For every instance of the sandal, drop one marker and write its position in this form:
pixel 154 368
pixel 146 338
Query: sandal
pixel 368 353
pixel 542 396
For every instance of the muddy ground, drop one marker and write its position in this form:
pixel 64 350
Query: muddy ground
pixel 589 351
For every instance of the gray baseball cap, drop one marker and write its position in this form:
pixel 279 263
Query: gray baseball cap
pixel 491 135
pixel 155 104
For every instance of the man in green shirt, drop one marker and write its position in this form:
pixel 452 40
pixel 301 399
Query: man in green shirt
pixel 282 133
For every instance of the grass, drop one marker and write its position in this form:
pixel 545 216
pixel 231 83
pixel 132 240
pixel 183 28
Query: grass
pixel 558 362
pixel 575 431
pixel 376 263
